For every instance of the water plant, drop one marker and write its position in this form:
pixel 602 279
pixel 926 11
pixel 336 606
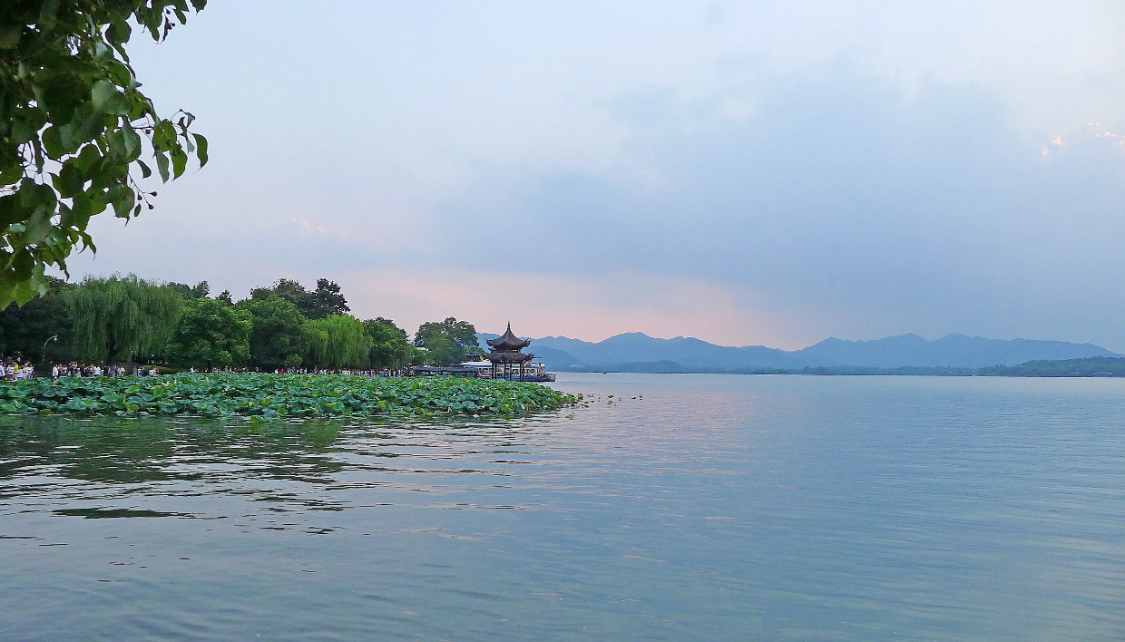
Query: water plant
pixel 273 396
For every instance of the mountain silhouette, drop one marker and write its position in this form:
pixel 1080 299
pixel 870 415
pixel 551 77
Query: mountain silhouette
pixel 634 350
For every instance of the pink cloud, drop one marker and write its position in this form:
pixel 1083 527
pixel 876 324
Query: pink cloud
pixel 590 308
pixel 308 228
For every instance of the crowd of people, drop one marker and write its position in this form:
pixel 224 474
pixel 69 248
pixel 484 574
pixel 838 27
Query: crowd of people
pixel 77 370
pixel 17 370
pixel 346 371
pixel 14 369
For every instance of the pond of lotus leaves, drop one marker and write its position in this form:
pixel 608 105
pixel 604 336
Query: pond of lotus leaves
pixel 272 396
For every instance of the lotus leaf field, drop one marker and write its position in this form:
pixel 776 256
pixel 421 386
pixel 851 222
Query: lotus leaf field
pixel 276 396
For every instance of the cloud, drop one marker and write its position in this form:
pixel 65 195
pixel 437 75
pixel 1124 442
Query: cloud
pixel 840 193
pixel 818 168
pixel 308 228
pixel 591 307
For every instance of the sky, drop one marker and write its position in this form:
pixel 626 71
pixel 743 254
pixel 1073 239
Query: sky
pixel 743 172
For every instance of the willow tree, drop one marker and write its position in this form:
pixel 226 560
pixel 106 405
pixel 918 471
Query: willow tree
pixel 119 318
pixel 338 341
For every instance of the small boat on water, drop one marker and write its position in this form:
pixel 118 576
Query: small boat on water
pixel 532 371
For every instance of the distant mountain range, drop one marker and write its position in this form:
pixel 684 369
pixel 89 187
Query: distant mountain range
pixel 637 352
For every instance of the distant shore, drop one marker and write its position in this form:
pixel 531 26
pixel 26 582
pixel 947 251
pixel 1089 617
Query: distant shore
pixel 1085 367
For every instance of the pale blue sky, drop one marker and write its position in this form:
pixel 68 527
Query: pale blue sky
pixel 744 172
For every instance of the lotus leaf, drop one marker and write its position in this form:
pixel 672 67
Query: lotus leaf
pixel 270 395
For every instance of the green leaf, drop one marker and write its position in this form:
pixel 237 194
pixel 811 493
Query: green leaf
pixel 164 135
pixel 115 141
pixel 9 36
pixel 132 142
pixel 11 174
pixel 201 149
pixel 123 201
pixel 145 171
pixel 69 180
pixel 53 143
pixel 38 226
pixel 89 158
pixel 162 165
pixel 22 132
pixel 80 212
pixel 48 13
pixel 179 161
pixel 88 123
pixel 119 32
pixel 108 99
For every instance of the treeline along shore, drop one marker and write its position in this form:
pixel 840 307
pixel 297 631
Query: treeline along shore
pixel 1081 367
pixel 221 358
pixel 104 324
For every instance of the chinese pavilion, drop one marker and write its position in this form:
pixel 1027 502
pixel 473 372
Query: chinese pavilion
pixel 505 353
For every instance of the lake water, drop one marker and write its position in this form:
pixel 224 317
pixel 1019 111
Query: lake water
pixel 687 507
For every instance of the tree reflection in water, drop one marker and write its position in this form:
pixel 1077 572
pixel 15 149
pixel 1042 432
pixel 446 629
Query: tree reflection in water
pixel 115 450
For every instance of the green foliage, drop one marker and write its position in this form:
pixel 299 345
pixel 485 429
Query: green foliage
pixel 338 341
pixel 1084 367
pixel 278 395
pixel 211 334
pixel 119 318
pixel 328 300
pixel 287 289
pixel 325 301
pixel 74 125
pixel 447 342
pixel 277 337
pixel 200 290
pixel 25 330
pixel 440 350
pixel 389 348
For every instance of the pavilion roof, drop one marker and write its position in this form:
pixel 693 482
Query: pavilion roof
pixel 508 342
pixel 509 357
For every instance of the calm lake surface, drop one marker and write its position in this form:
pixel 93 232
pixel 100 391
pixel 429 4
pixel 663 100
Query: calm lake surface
pixel 687 507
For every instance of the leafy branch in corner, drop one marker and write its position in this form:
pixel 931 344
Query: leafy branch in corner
pixel 74 125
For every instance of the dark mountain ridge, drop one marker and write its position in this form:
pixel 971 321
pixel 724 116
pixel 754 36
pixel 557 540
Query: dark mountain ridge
pixel 635 351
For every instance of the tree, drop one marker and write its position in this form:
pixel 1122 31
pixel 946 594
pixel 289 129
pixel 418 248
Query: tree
pixel 27 331
pixel 325 301
pixel 328 298
pixel 73 127
pixel 448 342
pixel 338 341
pixel 277 335
pixel 200 290
pixel 119 318
pixel 211 334
pixel 390 348
pixel 440 350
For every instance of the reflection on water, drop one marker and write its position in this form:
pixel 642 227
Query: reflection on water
pixel 113 450
pixel 681 508
pixel 299 463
